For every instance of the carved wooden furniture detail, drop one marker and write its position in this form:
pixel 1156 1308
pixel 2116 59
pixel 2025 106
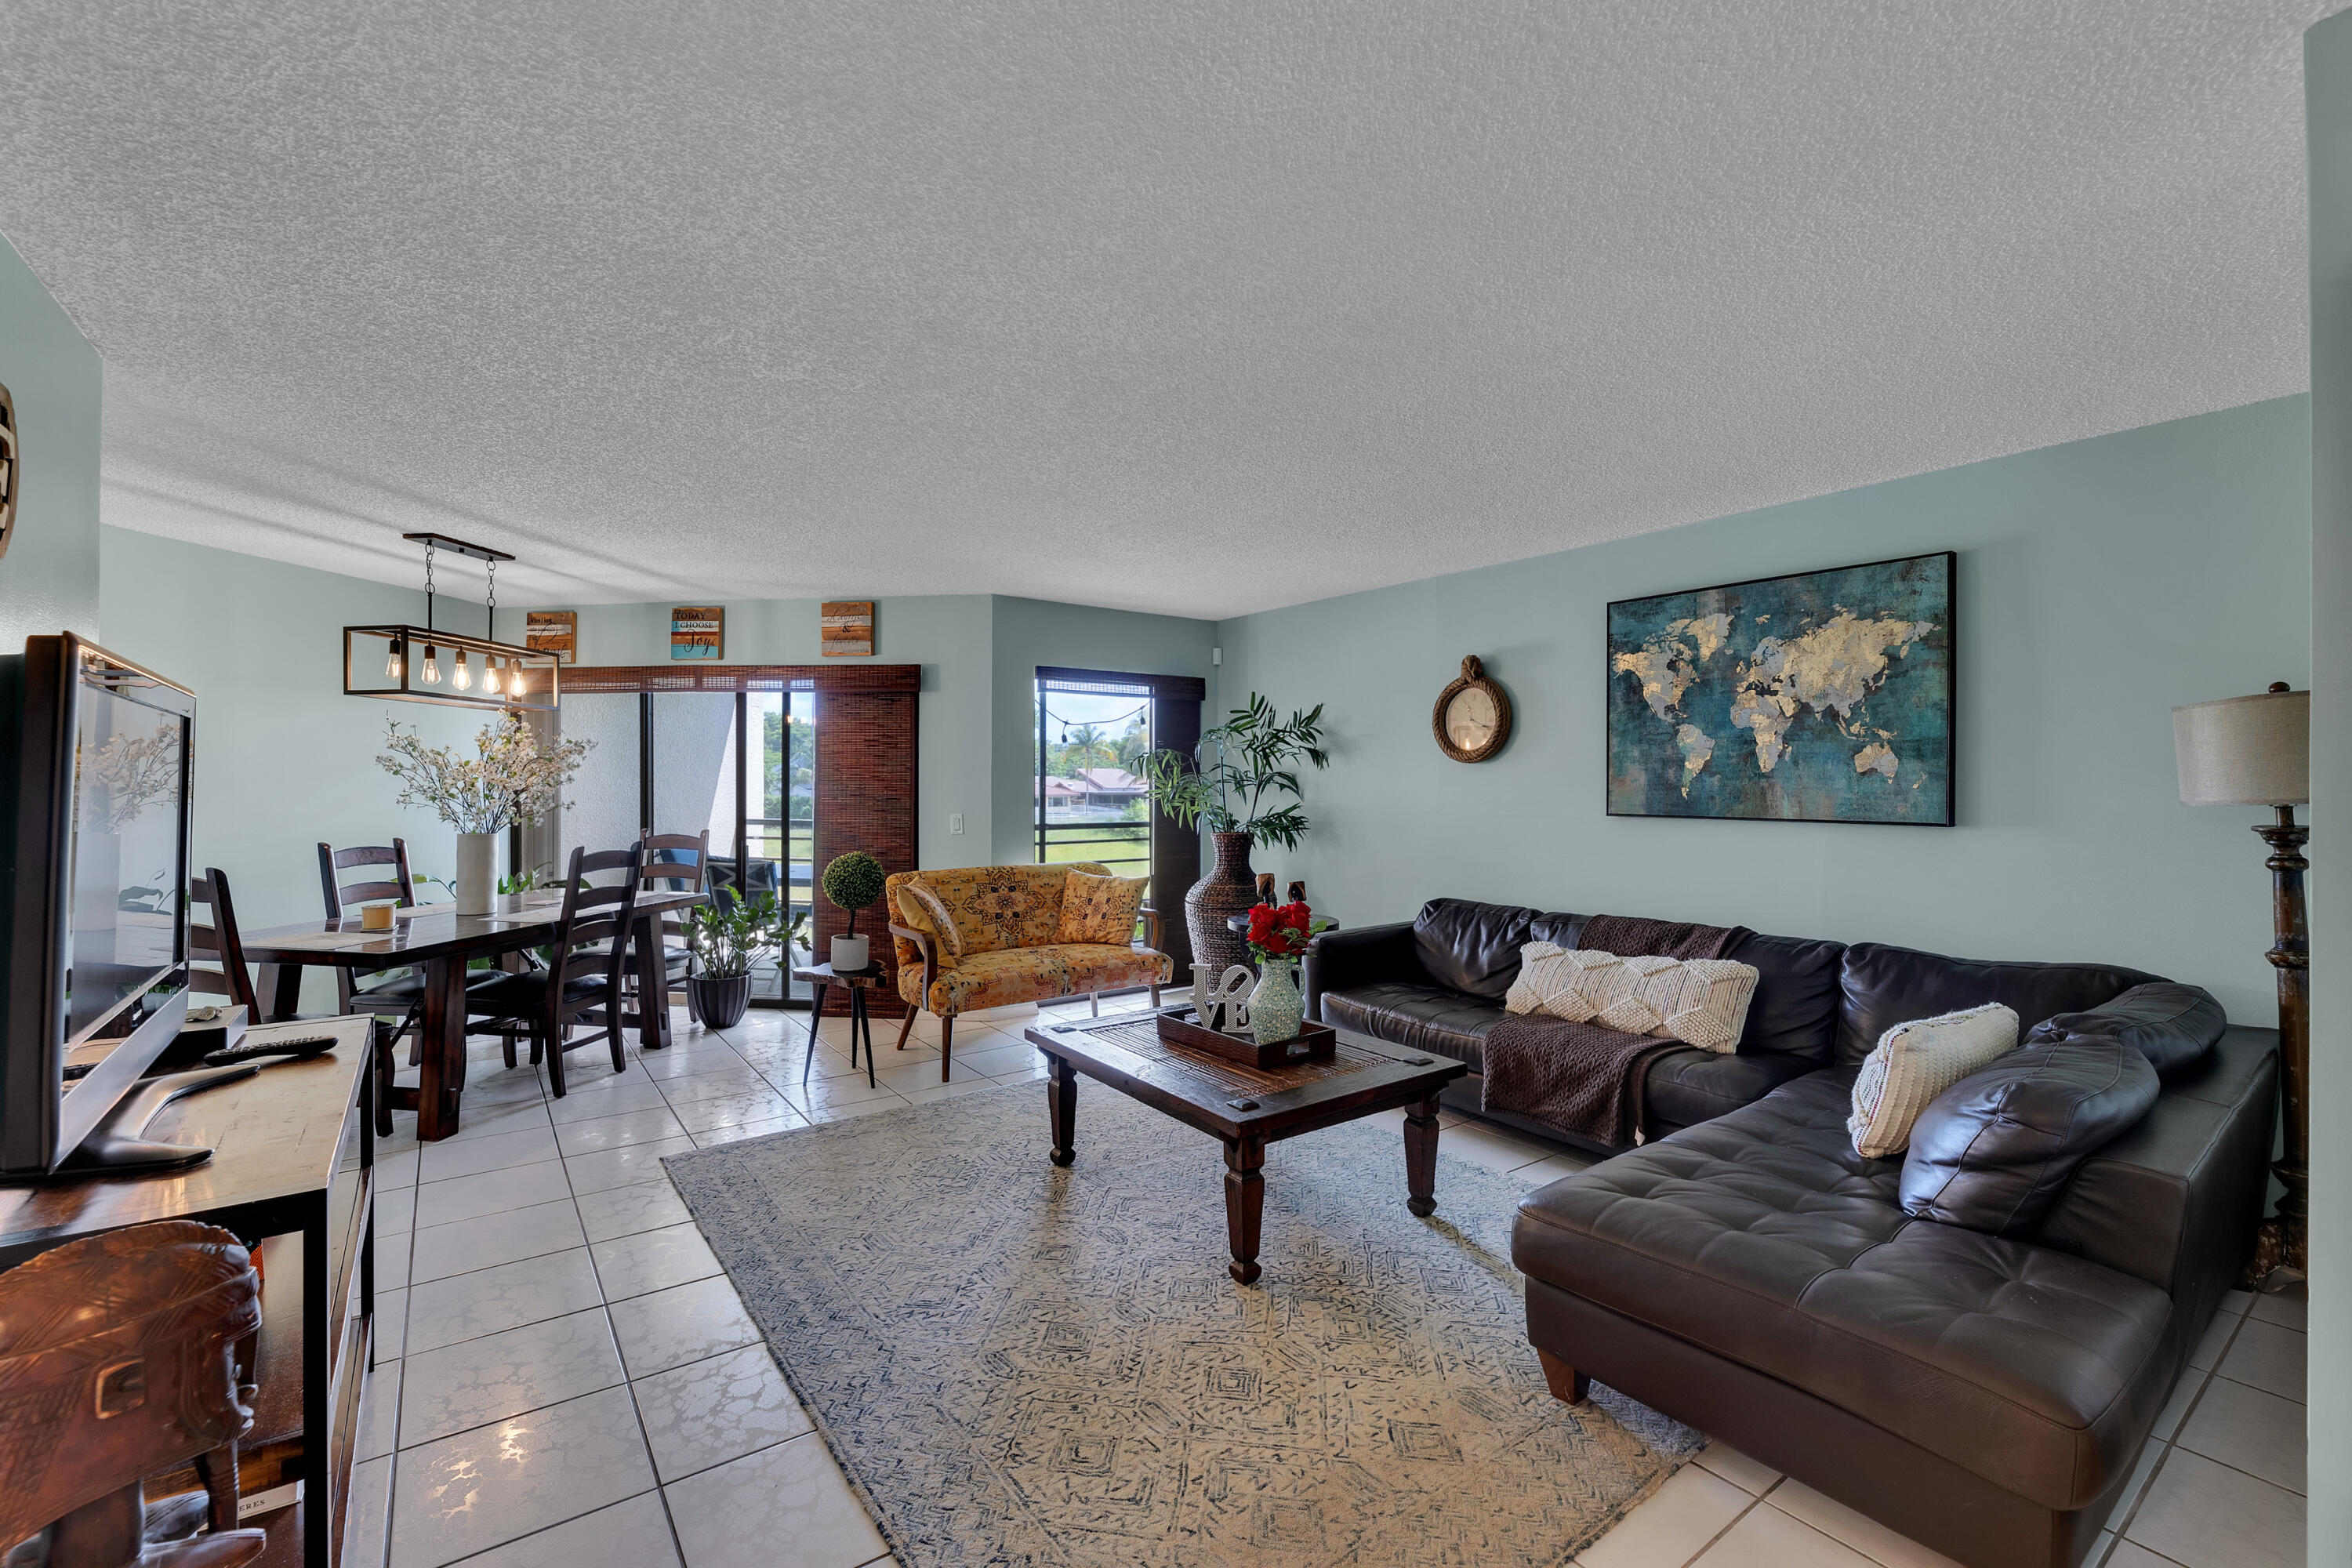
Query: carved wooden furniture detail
pixel 120 1358
pixel 290 1176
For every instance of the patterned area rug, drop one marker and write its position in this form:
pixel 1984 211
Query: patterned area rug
pixel 1020 1364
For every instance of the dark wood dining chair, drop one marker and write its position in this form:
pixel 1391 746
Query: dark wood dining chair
pixel 582 986
pixel 678 863
pixel 396 992
pixel 215 939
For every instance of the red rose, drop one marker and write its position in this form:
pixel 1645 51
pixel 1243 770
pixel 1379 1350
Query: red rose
pixel 1281 932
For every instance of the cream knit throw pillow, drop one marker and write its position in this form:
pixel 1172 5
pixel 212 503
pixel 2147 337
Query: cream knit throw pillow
pixel 1701 1001
pixel 1916 1062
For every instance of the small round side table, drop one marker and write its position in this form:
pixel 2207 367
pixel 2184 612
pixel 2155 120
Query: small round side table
pixel 859 981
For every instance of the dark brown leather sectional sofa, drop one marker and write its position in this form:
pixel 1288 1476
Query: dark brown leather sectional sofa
pixel 1746 1272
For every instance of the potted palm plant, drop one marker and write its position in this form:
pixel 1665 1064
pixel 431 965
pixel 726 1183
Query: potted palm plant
pixel 1256 754
pixel 728 937
pixel 851 883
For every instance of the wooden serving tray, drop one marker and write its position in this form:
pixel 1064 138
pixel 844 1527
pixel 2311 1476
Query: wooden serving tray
pixel 1315 1042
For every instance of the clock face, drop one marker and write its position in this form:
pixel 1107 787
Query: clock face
pixel 1470 719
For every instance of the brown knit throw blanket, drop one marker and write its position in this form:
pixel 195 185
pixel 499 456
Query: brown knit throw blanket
pixel 1581 1078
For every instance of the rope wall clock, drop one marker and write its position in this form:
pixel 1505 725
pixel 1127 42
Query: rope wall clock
pixel 1472 716
pixel 11 469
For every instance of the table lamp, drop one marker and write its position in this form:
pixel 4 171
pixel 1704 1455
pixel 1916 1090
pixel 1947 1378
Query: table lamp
pixel 2256 750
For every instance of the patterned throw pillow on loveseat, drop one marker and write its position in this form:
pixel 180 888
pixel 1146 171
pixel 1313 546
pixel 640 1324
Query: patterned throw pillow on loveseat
pixel 1100 911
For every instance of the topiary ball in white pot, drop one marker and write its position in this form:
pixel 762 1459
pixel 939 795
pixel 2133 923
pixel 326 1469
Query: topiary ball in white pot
pixel 851 883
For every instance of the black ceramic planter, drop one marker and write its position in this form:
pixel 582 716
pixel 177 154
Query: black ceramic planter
pixel 720 1003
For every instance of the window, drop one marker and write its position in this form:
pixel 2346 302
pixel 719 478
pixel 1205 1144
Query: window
pixel 1093 737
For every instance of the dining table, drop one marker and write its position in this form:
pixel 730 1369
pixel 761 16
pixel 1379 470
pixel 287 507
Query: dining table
pixel 443 944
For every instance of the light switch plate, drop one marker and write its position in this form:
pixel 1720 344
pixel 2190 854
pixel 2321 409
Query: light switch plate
pixel 955 822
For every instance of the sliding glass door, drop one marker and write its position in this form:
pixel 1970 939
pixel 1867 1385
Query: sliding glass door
pixel 740 766
pixel 780 823
pixel 604 808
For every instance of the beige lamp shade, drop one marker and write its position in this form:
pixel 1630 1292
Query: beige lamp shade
pixel 2245 751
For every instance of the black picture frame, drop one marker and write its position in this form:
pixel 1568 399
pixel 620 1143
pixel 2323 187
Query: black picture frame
pixel 1946 799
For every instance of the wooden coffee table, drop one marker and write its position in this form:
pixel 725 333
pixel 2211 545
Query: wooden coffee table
pixel 1246 1109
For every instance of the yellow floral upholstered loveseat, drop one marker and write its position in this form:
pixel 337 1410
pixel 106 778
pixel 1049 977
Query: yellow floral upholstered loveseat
pixel 1003 948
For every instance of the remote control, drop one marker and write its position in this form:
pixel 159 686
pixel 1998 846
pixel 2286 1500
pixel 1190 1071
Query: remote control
pixel 299 1049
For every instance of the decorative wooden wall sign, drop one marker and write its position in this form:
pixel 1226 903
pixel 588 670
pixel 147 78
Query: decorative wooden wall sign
pixel 10 470
pixel 554 631
pixel 697 631
pixel 848 628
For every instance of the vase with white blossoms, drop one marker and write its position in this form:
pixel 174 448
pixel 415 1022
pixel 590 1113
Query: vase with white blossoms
pixel 515 778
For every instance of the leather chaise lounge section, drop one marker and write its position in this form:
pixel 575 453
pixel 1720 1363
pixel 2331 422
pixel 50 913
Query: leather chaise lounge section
pixel 1750 1275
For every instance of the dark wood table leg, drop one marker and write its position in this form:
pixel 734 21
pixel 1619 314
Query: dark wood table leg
pixel 652 985
pixel 862 1023
pixel 1420 1158
pixel 279 987
pixel 1245 1204
pixel 318 1465
pixel 445 1048
pixel 1062 1108
pixel 816 1016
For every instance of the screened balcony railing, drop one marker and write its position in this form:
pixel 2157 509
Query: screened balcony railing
pixel 770 847
pixel 779 857
pixel 1124 847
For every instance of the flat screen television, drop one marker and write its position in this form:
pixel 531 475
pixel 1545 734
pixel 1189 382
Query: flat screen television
pixel 93 872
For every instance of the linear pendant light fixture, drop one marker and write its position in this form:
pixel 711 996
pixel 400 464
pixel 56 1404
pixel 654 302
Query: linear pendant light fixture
pixel 432 663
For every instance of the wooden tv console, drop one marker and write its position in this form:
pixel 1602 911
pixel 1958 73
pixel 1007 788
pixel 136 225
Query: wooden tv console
pixel 291 1175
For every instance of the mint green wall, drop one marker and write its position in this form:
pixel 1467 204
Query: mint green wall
pixel 1033 632
pixel 48 579
pixel 2100 582
pixel 2327 97
pixel 283 758
pixel 979 655
pixel 948 635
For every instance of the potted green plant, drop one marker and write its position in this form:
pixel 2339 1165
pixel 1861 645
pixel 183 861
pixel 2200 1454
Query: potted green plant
pixel 1256 756
pixel 728 937
pixel 851 883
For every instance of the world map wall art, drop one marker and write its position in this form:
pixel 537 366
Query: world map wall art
pixel 1825 696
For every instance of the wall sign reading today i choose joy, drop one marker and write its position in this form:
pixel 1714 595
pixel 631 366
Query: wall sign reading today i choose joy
pixel 697 631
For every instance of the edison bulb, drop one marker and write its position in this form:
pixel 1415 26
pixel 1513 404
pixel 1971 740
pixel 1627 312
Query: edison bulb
pixel 392 663
pixel 464 680
pixel 491 677
pixel 432 666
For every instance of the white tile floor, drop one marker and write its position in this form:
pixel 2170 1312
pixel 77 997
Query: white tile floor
pixel 565 1378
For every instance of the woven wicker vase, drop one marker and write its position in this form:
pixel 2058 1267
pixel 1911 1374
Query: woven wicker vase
pixel 1227 890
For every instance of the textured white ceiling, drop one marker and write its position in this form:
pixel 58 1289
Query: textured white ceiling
pixel 1200 306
